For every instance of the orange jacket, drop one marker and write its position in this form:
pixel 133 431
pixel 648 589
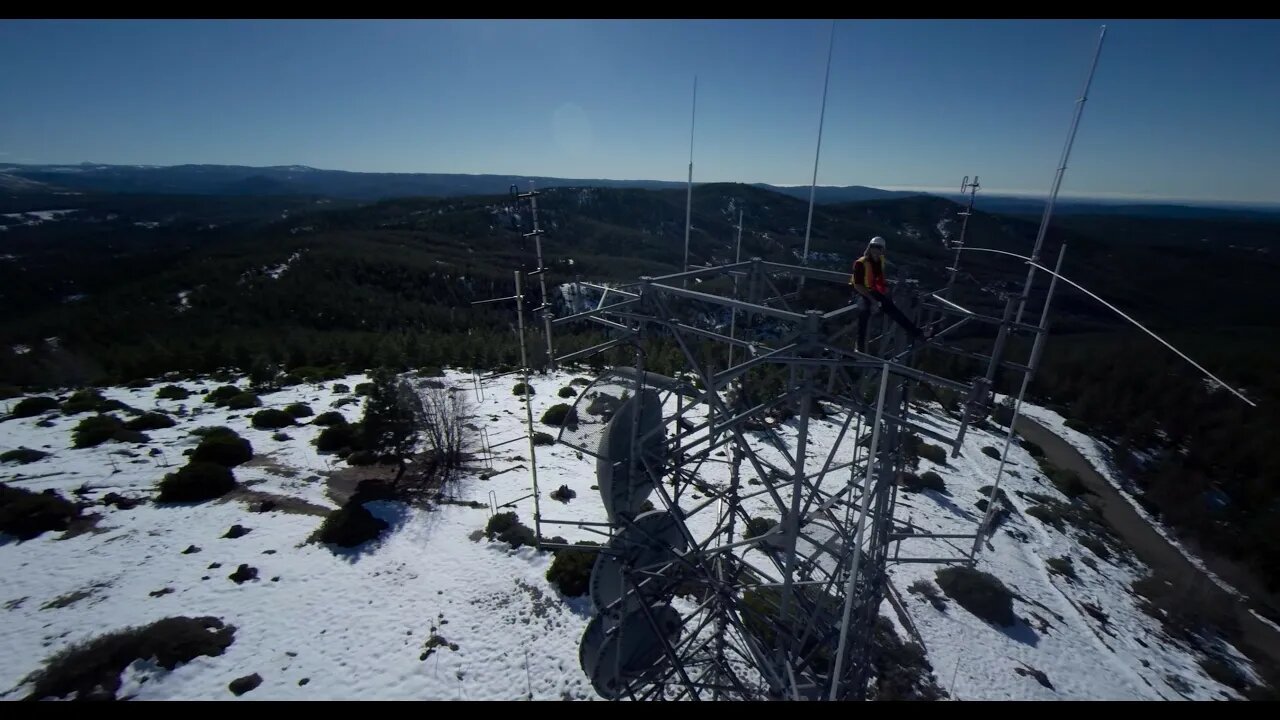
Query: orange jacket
pixel 869 275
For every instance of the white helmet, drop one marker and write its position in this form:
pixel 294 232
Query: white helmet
pixel 877 241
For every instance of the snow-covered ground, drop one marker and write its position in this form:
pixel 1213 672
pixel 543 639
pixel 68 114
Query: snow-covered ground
pixel 353 624
pixel 37 217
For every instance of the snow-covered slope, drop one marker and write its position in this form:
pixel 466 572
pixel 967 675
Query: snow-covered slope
pixel 353 624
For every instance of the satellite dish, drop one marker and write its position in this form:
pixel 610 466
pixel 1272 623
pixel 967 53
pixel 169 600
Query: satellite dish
pixel 653 540
pixel 612 654
pixel 622 491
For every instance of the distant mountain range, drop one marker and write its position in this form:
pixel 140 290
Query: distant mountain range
pixel 299 180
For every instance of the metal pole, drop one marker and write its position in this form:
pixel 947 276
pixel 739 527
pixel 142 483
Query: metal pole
pixel 545 310
pixel 822 116
pixel 964 226
pixel 1036 349
pixel 1057 179
pixel 528 408
pixel 733 312
pixel 688 206
pixel 857 542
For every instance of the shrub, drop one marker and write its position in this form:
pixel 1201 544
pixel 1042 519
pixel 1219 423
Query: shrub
pixel 1062 566
pixel 244 401
pixel 338 437
pixel 92 669
pixel 563 493
pixel 332 417
pixel 341 388
pixel 150 421
pixel 227 450
pixel 96 430
pixel 541 438
pixel 279 437
pixel 567 392
pixel 345 401
pixel 211 430
pixel 272 419
pixel 991 452
pixel 758 526
pixel 1046 514
pixel 26 515
pixel 1068 482
pixel 364 388
pixel 927 481
pixel 173 392
pixel 978 592
pixel 580 381
pixel 929 592
pixel 220 396
pixel 23 455
pixel 559 415
pixel 522 389
pixel 1095 545
pixel 83 401
pixel 299 410
pixel 506 527
pixel 1033 449
pixel 932 453
pixel 32 406
pixel 196 481
pixel 570 570
pixel 361 458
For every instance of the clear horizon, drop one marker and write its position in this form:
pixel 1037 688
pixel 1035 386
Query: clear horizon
pixel 1180 111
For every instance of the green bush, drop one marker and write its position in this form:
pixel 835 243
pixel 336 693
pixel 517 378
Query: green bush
pixel 151 421
pixel 26 515
pixel 32 406
pixel 364 388
pixel 991 452
pixel 244 401
pixel 929 480
pixel 758 526
pixel 580 381
pixel 361 458
pixel 564 493
pixel 1095 545
pixel 506 527
pixel 196 481
pixel 341 388
pixel 1062 566
pixel 92 669
pixel 220 396
pixel 299 410
pixel 272 419
pixel 522 389
pixel 1046 514
pixel 350 525
pixel 279 437
pixel 173 392
pixel 96 430
pixel 560 415
pixel 332 417
pixel 338 437
pixel 222 449
pixel 567 392
pixel 570 570
pixel 978 592
pixel 1033 449
pixel 1068 482
pixel 23 455
pixel 83 401
pixel 541 438
pixel 211 430
pixel 932 453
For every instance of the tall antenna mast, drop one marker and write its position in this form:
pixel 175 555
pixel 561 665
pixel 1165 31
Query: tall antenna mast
pixel 822 115
pixel 1057 178
pixel 972 189
pixel 688 206
pixel 545 309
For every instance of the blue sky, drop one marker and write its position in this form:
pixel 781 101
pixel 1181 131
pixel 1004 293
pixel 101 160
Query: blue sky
pixel 1179 109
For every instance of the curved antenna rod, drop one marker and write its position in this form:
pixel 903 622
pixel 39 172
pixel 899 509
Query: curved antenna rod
pixel 822 116
pixel 1122 314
